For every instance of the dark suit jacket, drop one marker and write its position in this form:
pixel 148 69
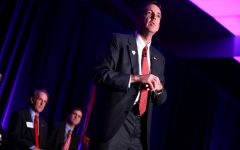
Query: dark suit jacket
pixel 56 137
pixel 2 137
pixel 114 99
pixel 22 137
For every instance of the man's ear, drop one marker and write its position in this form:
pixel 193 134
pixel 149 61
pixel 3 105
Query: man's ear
pixel 31 100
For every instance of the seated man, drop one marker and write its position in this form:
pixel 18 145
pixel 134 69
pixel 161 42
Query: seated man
pixel 62 135
pixel 26 129
pixel 1 136
pixel 3 140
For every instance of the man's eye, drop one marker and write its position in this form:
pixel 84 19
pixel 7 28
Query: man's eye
pixel 149 12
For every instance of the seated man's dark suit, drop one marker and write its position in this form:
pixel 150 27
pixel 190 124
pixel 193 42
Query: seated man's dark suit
pixel 56 137
pixel 21 134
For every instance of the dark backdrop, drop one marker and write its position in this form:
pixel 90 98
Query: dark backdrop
pixel 50 44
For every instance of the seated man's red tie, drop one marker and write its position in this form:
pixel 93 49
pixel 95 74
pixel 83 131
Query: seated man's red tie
pixel 67 141
pixel 36 131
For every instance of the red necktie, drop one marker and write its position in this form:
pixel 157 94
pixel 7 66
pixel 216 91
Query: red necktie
pixel 36 130
pixel 68 140
pixel 144 93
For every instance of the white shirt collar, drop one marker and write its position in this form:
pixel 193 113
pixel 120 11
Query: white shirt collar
pixel 140 42
pixel 32 112
pixel 67 128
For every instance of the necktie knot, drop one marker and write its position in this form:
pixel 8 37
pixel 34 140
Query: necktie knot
pixel 69 133
pixel 144 52
pixel 36 116
pixel 145 65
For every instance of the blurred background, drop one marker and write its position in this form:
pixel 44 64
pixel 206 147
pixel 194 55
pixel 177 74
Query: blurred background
pixel 51 44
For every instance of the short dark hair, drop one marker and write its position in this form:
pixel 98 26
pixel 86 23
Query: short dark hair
pixel 143 6
pixel 36 91
pixel 75 108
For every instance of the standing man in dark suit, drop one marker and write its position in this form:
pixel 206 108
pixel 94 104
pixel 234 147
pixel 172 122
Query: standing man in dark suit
pixel 59 132
pixel 26 128
pixel 129 75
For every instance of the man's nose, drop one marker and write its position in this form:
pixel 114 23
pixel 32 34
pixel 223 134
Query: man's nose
pixel 153 16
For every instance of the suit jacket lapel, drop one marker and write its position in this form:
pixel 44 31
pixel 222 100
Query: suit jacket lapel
pixel 153 60
pixel 42 129
pixel 29 119
pixel 133 53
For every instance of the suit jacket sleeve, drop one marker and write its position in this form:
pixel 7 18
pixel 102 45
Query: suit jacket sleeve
pixel 159 71
pixel 43 129
pixel 106 65
pixel 16 128
pixel 51 138
pixel 56 136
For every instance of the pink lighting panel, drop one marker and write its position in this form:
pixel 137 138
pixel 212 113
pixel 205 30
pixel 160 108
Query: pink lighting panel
pixel 226 12
pixel 237 58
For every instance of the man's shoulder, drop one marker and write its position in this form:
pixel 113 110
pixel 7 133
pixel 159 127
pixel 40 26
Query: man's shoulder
pixel 21 112
pixel 157 51
pixel 19 116
pixel 122 38
pixel 42 120
pixel 59 124
pixel 122 35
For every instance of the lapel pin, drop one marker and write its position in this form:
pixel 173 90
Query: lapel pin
pixel 155 58
pixel 133 52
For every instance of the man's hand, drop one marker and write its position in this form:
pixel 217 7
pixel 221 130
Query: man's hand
pixel 35 148
pixel 148 81
pixel 86 140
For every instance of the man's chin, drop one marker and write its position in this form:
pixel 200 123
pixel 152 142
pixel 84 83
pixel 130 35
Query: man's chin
pixel 151 30
pixel 38 111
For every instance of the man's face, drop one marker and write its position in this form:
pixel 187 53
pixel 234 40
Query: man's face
pixel 39 102
pixel 75 117
pixel 151 18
